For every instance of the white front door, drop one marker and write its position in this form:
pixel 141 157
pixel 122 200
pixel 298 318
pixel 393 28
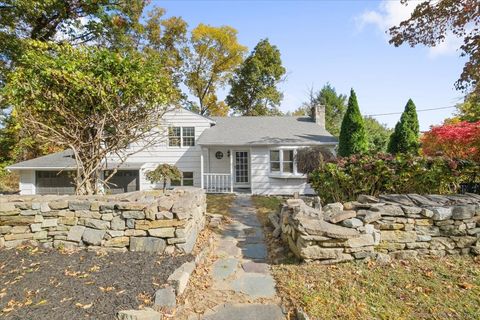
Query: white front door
pixel 242 170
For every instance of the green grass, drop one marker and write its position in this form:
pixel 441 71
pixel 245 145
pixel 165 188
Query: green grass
pixel 446 288
pixel 219 203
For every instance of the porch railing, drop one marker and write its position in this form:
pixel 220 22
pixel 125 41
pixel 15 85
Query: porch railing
pixel 217 182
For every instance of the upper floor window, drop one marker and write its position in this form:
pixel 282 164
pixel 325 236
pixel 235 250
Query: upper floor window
pixel 282 161
pixel 181 136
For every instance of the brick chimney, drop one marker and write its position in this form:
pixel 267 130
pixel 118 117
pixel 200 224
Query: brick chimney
pixel 318 115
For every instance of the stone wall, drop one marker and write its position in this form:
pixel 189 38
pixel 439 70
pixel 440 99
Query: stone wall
pixel 150 221
pixel 398 226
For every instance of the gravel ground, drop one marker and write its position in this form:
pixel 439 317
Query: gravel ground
pixel 49 284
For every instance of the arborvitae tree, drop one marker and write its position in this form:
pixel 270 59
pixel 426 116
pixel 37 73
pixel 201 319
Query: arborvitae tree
pixel 353 138
pixel 405 137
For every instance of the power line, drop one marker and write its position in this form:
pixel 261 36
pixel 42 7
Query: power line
pixel 420 110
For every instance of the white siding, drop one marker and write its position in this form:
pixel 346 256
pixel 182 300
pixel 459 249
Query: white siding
pixel 263 183
pixel 185 158
pixel 27 182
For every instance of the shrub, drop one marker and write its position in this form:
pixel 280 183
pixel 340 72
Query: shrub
pixel 311 158
pixel 461 140
pixel 163 173
pixel 346 178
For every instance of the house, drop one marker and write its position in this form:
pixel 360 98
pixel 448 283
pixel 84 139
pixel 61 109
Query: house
pixel 220 154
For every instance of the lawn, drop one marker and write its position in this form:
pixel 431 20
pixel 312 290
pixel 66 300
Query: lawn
pixel 219 203
pixel 430 288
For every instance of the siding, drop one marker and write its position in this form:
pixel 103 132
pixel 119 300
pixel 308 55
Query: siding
pixel 186 159
pixel 263 184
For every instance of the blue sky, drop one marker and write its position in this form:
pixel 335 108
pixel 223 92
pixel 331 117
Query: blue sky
pixel 344 43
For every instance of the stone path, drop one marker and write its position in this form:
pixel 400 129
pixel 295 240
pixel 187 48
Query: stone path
pixel 241 267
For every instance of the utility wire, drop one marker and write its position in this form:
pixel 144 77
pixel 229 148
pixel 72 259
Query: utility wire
pixel 420 110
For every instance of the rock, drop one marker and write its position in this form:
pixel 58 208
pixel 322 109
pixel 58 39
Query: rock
pixel 17 220
pixel 107 216
pixel 421 237
pixel 47 223
pixel 371 216
pixel 464 242
pixel 352 223
pixel 2 242
pixel 361 241
pixel 137 215
pixel 397 198
pixel 332 208
pixel 418 245
pixel 69 221
pixel 93 236
pixel 115 233
pixel 317 252
pixel 463 212
pixel 411 210
pixel 133 206
pixel 58 204
pixel 117 223
pixel 390 210
pixel 147 244
pixel 7 207
pixel 79 205
pixel 146 224
pixel 35 227
pixel 302 315
pixel 164 215
pixel 97 224
pixel 343 215
pixel 404 254
pixel 389 225
pixel 118 242
pixel 398 236
pixel 165 297
pixel 147 314
pixel 441 243
pixel 427 213
pixel 135 233
pixel 6 229
pixel 179 278
pixel 75 233
pixel 322 228
pixel 441 213
pixel 428 230
pixel 162 232
pixel 422 201
pixel 363 198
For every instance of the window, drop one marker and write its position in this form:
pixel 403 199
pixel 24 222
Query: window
pixel 188 136
pixel 187 180
pixel 174 136
pixel 181 136
pixel 282 161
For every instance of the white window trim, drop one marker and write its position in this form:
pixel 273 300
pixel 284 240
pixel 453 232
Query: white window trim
pixel 181 137
pixel 281 173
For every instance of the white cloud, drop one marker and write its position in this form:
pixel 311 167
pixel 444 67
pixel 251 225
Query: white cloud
pixel 391 13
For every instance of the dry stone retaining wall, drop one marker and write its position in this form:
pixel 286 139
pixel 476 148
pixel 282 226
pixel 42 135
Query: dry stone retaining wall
pixel 401 226
pixel 150 221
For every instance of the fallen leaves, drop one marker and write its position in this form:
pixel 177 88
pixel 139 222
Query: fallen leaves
pixel 107 289
pixel 83 306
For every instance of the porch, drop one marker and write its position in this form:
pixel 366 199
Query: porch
pixel 225 169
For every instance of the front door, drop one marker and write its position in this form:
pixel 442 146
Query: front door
pixel 242 171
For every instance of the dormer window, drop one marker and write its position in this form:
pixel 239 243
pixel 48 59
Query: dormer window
pixel 181 136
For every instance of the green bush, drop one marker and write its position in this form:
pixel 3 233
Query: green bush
pixel 346 178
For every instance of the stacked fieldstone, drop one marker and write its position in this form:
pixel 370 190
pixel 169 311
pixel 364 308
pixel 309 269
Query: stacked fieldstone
pixel 401 226
pixel 150 221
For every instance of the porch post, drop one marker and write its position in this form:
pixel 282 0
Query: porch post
pixel 231 170
pixel 201 168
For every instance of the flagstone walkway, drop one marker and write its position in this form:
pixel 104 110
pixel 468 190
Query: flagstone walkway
pixel 241 267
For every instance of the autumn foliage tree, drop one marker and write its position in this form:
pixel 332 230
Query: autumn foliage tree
pixel 458 140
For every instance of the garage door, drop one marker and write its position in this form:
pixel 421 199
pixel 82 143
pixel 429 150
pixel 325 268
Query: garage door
pixel 123 181
pixel 54 182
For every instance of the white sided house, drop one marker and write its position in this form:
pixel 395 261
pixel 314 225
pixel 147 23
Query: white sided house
pixel 219 154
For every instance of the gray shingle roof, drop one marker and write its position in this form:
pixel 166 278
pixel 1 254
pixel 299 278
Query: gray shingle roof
pixel 62 160
pixel 266 131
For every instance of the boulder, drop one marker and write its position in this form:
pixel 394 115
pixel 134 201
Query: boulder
pixel 97 224
pixel 463 212
pixel 390 210
pixel 363 240
pixel 137 215
pixel 317 252
pixel 58 204
pixel 322 228
pixel 79 205
pixel 352 223
pixel 165 297
pixel 441 213
pixel 397 198
pixel 398 236
pixel 162 232
pixel 371 216
pixel 117 223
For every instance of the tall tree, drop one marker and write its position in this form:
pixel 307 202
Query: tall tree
pixel 432 21
pixel 353 138
pixel 469 110
pixel 335 106
pixel 378 135
pixel 210 63
pixel 254 89
pixel 404 138
pixel 91 100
